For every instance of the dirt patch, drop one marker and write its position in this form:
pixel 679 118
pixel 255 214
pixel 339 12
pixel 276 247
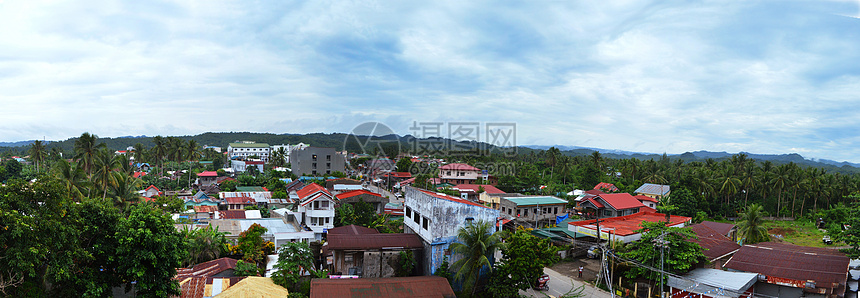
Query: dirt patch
pixel 571 268
pixel 781 231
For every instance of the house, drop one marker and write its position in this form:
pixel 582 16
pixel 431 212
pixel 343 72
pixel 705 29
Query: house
pixel 712 283
pixel 376 167
pixel 239 202
pixel 394 178
pixel 207 279
pixel 460 173
pixel 606 187
pixel 374 199
pixel 295 185
pixel 142 166
pixel 199 199
pixel 365 252
pixel 790 271
pixel 330 183
pixel 623 228
pixel 475 191
pixel 255 286
pixel 493 199
pixel 317 204
pixel 725 229
pixel 718 248
pixel 207 212
pixel 207 178
pixel 414 286
pixel 246 150
pixel 611 205
pixel 138 174
pixel 151 191
pixel 647 201
pixel 278 230
pixel 260 195
pixel 437 218
pixel 530 210
pixel 239 166
pixel 316 161
pixel 657 191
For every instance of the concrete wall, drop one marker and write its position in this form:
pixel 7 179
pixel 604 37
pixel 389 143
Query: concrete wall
pixel 327 161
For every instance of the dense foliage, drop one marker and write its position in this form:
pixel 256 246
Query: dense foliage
pixel 678 254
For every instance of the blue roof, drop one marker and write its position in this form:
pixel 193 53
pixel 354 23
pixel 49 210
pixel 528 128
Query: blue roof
pixel 653 189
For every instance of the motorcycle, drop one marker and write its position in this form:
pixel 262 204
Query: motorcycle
pixel 542 283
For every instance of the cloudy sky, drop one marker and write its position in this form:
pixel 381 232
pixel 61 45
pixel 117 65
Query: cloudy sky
pixel 659 76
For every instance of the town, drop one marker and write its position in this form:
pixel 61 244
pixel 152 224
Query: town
pixel 250 219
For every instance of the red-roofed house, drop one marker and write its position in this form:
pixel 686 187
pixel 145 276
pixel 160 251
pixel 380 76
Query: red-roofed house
pixel 239 202
pixel 718 248
pixel 207 178
pixel 606 187
pixel 648 201
pixel 459 173
pixel 198 281
pixel 365 252
pixel 139 175
pixel 623 228
pixel 437 218
pixel 151 191
pixel 355 196
pixel 317 204
pixel 611 205
pixel 474 192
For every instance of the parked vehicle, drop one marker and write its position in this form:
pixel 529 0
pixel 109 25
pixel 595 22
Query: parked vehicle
pixel 827 240
pixel 542 283
pixel 593 252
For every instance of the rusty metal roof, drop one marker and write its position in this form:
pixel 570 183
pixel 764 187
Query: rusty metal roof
pixel 352 230
pixel 374 241
pixel 416 286
pixel 715 244
pixel 722 228
pixel 799 263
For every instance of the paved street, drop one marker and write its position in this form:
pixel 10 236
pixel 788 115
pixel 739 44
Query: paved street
pixel 560 284
pixel 384 193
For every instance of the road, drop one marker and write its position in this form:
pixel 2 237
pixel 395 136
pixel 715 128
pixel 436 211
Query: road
pixel 560 285
pixel 384 193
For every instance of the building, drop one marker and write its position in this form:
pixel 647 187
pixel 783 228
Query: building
pixel 207 279
pixel 239 166
pixel 207 178
pixel 718 248
pixel 648 201
pixel 460 173
pixel 611 205
pixel 725 229
pixel 656 191
pixel 712 283
pixel 355 196
pixel 365 252
pixel 623 228
pixel 278 230
pixel 493 199
pixel 316 161
pixel 317 204
pixel 414 286
pixel 473 192
pixel 789 271
pixel 437 218
pixel 606 187
pixel 528 210
pixel 330 183
pixel 246 150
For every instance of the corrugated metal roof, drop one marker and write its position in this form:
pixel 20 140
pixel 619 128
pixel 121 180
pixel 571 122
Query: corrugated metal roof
pixel 653 189
pixel 714 282
pixel 415 286
pixel 719 227
pixel 621 201
pixel 374 241
pixel 794 262
pixel 715 244
pixel 532 201
pixel 626 225
pixel 352 230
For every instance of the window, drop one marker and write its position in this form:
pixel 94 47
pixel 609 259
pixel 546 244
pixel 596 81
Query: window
pixel 509 212
pixel 314 165
pixel 314 157
pixel 503 209
pixel 327 220
pixel 328 157
pixel 555 210
pixel 607 212
pixel 408 212
pixel 426 223
pixel 449 173
pixel 314 172
pixel 328 165
pixel 525 212
pixel 347 258
pixel 417 218
pixel 324 205
pixel 462 174
pixel 316 205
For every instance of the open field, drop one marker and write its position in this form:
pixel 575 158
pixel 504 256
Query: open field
pixel 799 232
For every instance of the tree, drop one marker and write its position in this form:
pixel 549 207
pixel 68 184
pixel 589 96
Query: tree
pixel 679 255
pixel 150 249
pixel 103 165
pixel 159 151
pixel 86 150
pixel 204 245
pixel 192 150
pixel 751 226
pixel 124 189
pixel 246 269
pixel 851 236
pixel 476 243
pixel 523 260
pixel 72 177
pixel 293 258
pixel 404 164
pixel 251 245
pixel 37 154
pixel 405 264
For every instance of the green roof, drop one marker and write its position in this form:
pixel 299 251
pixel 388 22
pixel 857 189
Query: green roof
pixel 249 145
pixel 249 188
pixel 567 232
pixel 545 234
pixel 529 201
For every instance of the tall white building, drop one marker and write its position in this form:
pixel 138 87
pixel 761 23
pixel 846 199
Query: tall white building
pixel 248 149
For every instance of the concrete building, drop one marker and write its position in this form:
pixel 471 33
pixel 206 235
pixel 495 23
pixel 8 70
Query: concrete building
pixel 656 191
pixel 317 205
pixel 527 210
pixel 437 218
pixel 316 161
pixel 460 173
pixel 245 150
pixel 239 166
pixel 623 228
pixel 356 250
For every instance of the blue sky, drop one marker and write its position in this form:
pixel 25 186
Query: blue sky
pixel 658 76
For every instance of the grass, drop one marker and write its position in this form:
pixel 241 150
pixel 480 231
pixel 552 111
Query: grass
pixel 798 232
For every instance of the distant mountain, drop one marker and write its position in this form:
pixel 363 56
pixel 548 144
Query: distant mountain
pixel 574 148
pixel 132 137
pixel 16 144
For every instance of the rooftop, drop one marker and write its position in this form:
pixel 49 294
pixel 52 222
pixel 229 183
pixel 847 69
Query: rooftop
pixel 715 244
pixel 719 227
pixel 450 198
pixel 540 200
pixel 374 241
pixel 353 193
pixel 628 224
pixel 621 201
pixel 250 189
pixel 477 187
pixel 653 189
pixel 415 286
pixel 459 166
pixel 249 145
pixel 702 281
pixel 208 174
pixel 800 263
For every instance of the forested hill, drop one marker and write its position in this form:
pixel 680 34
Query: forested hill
pixel 341 140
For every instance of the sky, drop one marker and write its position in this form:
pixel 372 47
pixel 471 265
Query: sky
pixel 769 77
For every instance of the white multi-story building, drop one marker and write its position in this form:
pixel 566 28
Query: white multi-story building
pixel 288 148
pixel 317 206
pixel 248 149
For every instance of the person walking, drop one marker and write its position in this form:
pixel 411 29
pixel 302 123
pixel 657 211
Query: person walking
pixel 580 271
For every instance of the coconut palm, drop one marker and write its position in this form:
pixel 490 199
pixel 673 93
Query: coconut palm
pixel 159 151
pixel 205 244
pixel 86 150
pixel 477 241
pixel 38 153
pixel 139 152
pixel 73 178
pixel 124 189
pixel 192 150
pixel 751 225
pixel 730 184
pixel 780 181
pixel 103 165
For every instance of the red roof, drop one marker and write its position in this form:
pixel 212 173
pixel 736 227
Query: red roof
pixel 399 174
pixel 800 263
pixel 207 269
pixel 232 214
pixel 356 192
pixel 240 200
pixel 352 230
pixel 722 228
pixel 646 198
pixel 715 244
pixel 626 225
pixel 374 241
pixel 138 174
pixel 459 167
pixel 208 174
pixel 621 201
pixel 608 186
pixel 595 192
pixel 253 162
pixel 205 208
pixel 594 202
pixel 311 189
pixel 476 187
pixel 453 199
pixel 415 286
pixel 153 186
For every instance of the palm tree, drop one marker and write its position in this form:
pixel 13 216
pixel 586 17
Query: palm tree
pixel 139 151
pixel 780 180
pixel 124 189
pixel 730 184
pixel 37 154
pixel 86 150
pixel 72 176
pixel 476 242
pixel 192 150
pixel 175 147
pixel 748 180
pixel 205 244
pixel 159 151
pixel 104 163
pixel 751 227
